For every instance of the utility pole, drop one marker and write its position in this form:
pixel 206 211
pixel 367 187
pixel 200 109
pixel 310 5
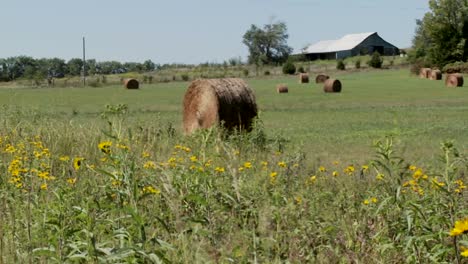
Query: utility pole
pixel 84 62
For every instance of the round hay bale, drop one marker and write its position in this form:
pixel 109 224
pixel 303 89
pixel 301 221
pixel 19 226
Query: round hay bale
pixel 454 80
pixel 332 86
pixel 282 88
pixel 436 75
pixel 303 78
pixel 424 73
pixel 131 84
pixel 208 102
pixel 321 78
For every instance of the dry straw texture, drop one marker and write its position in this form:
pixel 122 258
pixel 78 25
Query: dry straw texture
pixel 210 101
pixel 436 75
pixel 454 80
pixel 424 73
pixel 282 88
pixel 332 86
pixel 321 78
pixel 131 84
pixel 303 78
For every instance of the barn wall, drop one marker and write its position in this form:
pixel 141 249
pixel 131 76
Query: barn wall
pixel 375 43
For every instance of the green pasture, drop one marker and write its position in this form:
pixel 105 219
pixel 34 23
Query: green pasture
pixel 419 113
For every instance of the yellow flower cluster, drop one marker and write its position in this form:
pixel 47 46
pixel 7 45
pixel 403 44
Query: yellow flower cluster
pixel 461 227
pixel 370 200
pixel 151 190
pixel 105 147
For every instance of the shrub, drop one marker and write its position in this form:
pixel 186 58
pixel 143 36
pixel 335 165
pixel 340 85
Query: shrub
pixel 340 65
pixel 376 61
pixel 357 64
pixel 301 69
pixel 184 77
pixel 245 72
pixel 418 64
pixel 289 68
pixel 460 67
pixel 267 73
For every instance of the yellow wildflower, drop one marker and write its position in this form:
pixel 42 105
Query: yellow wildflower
pixel 264 163
pixel 236 152
pixel 335 174
pixel 149 165
pixel 282 164
pixel 464 252
pixel 313 179
pixel 374 200
pixel 193 159
pixel 298 199
pixel 322 169
pixel 412 168
pixel 77 161
pixel 247 165
pixel 461 227
pixel 219 169
pixel 105 147
pixel 379 176
pixel 64 158
pixel 145 154
pixel 44 186
pixel 71 181
pixel 241 168
pixel 151 190
pixel 364 168
pixel 418 174
pixel 349 170
pixel 366 202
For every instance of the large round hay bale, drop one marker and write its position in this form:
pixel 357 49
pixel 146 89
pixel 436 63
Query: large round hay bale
pixel 282 88
pixel 208 102
pixel 321 78
pixel 131 84
pixel 436 75
pixel 454 80
pixel 424 73
pixel 332 86
pixel 303 78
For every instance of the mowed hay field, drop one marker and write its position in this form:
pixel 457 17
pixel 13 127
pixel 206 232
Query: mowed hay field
pixel 374 174
pixel 420 113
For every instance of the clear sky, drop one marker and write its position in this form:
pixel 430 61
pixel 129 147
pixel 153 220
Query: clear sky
pixel 189 31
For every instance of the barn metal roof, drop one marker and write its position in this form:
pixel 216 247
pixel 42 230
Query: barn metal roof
pixel 345 43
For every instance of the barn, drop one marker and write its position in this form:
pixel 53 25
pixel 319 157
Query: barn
pixel 348 46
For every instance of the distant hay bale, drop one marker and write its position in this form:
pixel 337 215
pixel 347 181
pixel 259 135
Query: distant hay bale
pixel 303 78
pixel 321 78
pixel 436 75
pixel 332 86
pixel 131 84
pixel 454 80
pixel 208 102
pixel 424 73
pixel 282 88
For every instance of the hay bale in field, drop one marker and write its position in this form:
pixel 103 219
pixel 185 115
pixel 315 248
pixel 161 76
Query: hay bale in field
pixel 454 80
pixel 282 88
pixel 332 86
pixel 131 84
pixel 424 73
pixel 436 75
pixel 210 101
pixel 303 78
pixel 321 78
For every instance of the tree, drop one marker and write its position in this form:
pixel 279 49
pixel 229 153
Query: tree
pixel 148 66
pixel 441 36
pixel 75 66
pixel 376 61
pixel 267 45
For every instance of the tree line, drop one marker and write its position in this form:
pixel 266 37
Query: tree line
pixel 14 68
pixel 441 36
